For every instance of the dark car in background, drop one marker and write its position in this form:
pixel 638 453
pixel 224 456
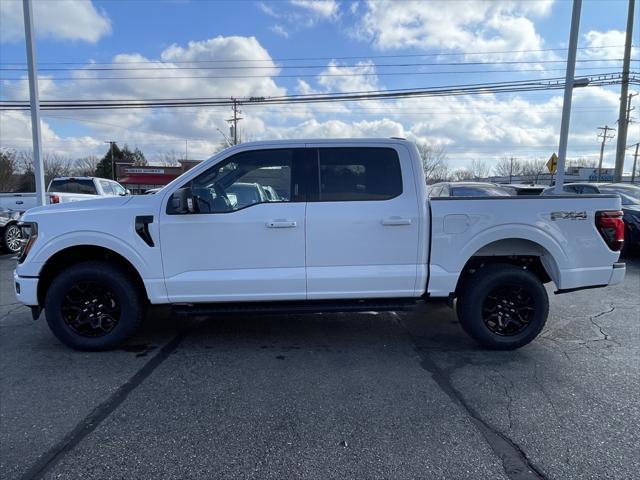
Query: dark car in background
pixel 525 189
pixel 630 196
pixel 468 189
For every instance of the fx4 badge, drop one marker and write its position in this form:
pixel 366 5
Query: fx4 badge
pixel 568 216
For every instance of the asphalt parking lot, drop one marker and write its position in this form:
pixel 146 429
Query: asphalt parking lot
pixel 327 396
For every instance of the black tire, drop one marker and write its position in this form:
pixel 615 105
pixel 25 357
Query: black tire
pixel 502 306
pixel 93 306
pixel 11 236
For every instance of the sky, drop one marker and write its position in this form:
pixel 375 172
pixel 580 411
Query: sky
pixel 135 49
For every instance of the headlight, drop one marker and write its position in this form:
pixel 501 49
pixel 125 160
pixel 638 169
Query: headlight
pixel 29 236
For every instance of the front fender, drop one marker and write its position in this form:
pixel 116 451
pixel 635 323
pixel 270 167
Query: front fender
pixel 51 246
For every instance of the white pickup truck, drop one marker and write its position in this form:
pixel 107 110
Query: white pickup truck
pixel 63 190
pixel 351 229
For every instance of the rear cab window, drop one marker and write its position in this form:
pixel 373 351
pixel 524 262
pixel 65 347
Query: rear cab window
pixel 73 185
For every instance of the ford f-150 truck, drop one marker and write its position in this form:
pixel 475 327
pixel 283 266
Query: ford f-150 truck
pixel 353 229
pixel 63 190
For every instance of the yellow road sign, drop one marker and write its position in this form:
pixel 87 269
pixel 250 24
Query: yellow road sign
pixel 552 163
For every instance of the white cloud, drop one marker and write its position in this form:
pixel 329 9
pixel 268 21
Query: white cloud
pixel 279 30
pixel 359 78
pixel 321 8
pixel 464 26
pixel 595 42
pixel 62 19
pixel 298 14
pixel 158 130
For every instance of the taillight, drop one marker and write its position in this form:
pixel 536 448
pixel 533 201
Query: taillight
pixel 55 199
pixel 611 228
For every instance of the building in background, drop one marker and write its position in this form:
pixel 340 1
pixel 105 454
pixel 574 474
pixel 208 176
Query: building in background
pixel 572 174
pixel 140 179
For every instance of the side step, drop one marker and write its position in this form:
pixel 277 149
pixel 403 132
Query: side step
pixel 309 306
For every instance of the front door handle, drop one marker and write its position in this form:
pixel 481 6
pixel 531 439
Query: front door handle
pixel 281 224
pixel 396 221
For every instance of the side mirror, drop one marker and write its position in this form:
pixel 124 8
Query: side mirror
pixel 182 201
pixel 127 191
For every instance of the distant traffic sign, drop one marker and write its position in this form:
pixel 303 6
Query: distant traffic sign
pixel 552 163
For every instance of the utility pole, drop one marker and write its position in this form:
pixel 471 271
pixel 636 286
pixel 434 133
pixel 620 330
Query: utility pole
pixel 568 94
pixel 113 162
pixel 635 163
pixel 622 117
pixel 234 121
pixel 34 97
pixel 604 137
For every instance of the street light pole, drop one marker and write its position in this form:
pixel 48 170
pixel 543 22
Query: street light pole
pixel 38 164
pixel 568 93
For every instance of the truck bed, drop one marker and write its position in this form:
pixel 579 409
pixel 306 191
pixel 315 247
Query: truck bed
pixel 561 230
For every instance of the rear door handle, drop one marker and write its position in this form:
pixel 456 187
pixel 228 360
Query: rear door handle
pixel 281 224
pixel 396 221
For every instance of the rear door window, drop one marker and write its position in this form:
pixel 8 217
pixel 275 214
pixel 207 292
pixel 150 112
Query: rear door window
pixel 359 174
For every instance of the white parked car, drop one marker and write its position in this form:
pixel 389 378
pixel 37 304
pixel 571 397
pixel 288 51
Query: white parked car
pixel 63 190
pixel 354 230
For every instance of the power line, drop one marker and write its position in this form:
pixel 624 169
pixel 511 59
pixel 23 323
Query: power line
pixel 162 66
pixel 353 57
pixel 313 75
pixel 469 89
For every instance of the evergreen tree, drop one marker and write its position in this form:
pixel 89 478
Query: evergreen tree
pixel 103 170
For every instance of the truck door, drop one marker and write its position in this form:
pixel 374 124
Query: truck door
pixel 362 223
pixel 240 245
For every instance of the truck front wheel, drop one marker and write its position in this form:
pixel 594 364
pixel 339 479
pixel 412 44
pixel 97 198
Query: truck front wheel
pixel 502 306
pixel 93 306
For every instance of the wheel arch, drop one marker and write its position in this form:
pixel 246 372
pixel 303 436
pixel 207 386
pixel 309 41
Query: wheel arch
pixel 523 252
pixel 73 255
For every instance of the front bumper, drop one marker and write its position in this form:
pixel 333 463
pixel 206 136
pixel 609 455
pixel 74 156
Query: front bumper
pixel 26 289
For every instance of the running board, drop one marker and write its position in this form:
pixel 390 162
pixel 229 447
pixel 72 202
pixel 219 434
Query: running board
pixel 309 306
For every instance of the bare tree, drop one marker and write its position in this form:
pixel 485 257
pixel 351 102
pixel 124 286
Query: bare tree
pixel 583 162
pixel 534 168
pixel 462 175
pixel 8 168
pixel 54 166
pixel 479 169
pixel 170 158
pixel 85 166
pixel 508 167
pixel 440 174
pixel 433 161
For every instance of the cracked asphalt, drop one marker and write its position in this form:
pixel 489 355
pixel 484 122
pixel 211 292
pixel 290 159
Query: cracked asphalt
pixel 393 395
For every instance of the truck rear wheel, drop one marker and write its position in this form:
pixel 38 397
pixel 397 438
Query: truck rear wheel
pixel 93 306
pixel 502 306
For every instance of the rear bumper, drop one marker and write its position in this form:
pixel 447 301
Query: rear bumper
pixel 617 274
pixel 26 289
